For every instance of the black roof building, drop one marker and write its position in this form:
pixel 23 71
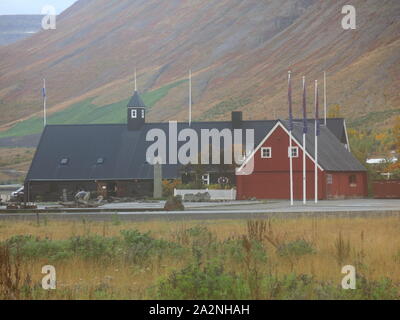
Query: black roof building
pixel 112 152
pixel 117 152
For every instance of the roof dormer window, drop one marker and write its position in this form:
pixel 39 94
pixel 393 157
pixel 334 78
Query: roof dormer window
pixel 100 161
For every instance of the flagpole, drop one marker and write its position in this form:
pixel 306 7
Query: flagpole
pixel 135 81
pixel 190 97
pixel 44 103
pixel 325 98
pixel 290 138
pixel 304 142
pixel 316 143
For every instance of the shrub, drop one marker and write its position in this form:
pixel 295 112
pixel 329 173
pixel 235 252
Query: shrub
pixel 195 283
pixel 29 247
pixel 140 246
pixel 295 248
pixel 93 246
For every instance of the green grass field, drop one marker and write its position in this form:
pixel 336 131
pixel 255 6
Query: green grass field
pixel 85 112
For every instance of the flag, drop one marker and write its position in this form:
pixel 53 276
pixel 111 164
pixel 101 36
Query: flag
pixel 44 89
pixel 317 124
pixel 290 102
pixel 305 129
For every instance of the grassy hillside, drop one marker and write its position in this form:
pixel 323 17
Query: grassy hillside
pixel 238 50
pixel 87 112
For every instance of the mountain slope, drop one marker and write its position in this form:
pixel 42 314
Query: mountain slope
pixel 17 27
pixel 239 52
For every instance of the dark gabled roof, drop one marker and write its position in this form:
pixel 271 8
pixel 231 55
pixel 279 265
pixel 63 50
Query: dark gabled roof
pixel 123 151
pixel 136 101
pixel 335 125
pixel 332 154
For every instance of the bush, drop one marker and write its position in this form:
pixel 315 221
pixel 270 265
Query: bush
pixel 93 247
pixel 140 246
pixel 295 248
pixel 206 283
pixel 168 187
pixel 29 247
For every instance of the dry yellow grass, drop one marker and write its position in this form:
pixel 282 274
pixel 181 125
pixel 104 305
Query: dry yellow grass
pixel 374 243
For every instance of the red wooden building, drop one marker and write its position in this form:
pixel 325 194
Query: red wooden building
pixel 340 175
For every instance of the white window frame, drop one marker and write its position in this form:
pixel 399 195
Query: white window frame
pixel 143 113
pixel 329 178
pixel 294 149
pixel 206 178
pixel 269 152
pixel 133 114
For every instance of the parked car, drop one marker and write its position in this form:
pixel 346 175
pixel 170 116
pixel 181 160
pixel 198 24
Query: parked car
pixel 18 195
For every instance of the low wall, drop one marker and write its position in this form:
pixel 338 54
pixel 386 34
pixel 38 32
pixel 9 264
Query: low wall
pixel 386 189
pixel 214 194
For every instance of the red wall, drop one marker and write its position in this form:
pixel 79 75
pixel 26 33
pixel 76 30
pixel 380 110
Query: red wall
pixel 341 187
pixel 270 178
pixel 389 189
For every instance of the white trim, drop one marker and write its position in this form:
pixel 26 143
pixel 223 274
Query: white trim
pixel 134 114
pixel 278 124
pixel 347 137
pixel 205 178
pixel 269 152
pixel 293 148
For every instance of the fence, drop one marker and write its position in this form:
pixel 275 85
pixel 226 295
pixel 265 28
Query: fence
pixel 386 189
pixel 214 193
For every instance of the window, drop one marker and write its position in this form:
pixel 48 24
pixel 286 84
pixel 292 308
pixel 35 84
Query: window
pixel 206 178
pixel 353 180
pixel 266 153
pixel 100 161
pixel 329 179
pixel 64 161
pixel 143 113
pixel 133 114
pixel 295 152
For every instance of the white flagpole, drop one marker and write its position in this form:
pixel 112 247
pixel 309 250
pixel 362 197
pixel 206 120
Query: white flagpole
pixel 290 152
pixel 291 168
pixel 325 98
pixel 190 97
pixel 44 103
pixel 316 145
pixel 135 81
pixel 304 157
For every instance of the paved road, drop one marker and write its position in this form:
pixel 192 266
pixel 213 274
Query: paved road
pixel 237 210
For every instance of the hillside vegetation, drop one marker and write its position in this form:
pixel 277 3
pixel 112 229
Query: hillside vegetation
pixel 239 52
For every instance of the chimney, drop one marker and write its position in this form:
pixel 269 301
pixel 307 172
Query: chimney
pixel 237 118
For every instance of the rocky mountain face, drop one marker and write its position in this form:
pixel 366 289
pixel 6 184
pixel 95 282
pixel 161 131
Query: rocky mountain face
pixel 239 52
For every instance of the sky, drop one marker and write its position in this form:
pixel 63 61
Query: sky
pixel 32 6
